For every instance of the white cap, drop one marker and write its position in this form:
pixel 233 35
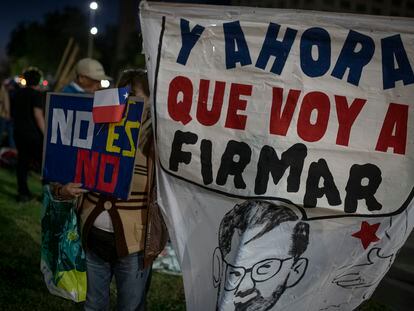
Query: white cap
pixel 92 69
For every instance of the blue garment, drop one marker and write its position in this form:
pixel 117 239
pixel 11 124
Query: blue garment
pixel 130 280
pixel 73 88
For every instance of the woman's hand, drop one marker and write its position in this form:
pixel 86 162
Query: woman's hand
pixel 72 190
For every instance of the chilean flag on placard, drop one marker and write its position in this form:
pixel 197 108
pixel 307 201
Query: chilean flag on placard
pixel 109 105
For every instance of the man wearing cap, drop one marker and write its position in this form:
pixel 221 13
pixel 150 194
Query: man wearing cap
pixel 89 73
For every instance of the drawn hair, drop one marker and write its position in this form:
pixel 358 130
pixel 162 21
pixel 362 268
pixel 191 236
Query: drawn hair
pixel 254 213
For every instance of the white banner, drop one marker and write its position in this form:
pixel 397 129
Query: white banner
pixel 285 151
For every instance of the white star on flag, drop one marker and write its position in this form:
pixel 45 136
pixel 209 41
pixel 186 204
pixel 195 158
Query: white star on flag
pixel 109 105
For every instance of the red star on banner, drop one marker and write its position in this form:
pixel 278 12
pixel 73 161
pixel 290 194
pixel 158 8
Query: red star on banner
pixel 367 234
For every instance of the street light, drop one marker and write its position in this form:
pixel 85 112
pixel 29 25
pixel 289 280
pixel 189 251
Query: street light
pixel 93 5
pixel 93 30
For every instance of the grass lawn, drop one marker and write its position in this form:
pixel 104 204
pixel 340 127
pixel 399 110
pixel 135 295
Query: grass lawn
pixel 21 283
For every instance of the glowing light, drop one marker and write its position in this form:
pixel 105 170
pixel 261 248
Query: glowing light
pixel 45 83
pixel 23 82
pixel 93 5
pixel 105 83
pixel 94 30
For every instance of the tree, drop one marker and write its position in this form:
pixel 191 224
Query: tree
pixel 42 44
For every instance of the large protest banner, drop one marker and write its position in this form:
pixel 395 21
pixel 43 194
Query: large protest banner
pixel 285 151
pixel 99 156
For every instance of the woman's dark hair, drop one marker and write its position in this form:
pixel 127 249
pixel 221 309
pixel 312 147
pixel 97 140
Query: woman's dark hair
pixel 134 76
pixel 32 75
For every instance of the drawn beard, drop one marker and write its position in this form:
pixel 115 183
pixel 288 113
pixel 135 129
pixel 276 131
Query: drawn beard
pixel 259 303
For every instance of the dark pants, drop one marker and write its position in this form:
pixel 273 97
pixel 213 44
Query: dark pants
pixel 7 125
pixel 29 151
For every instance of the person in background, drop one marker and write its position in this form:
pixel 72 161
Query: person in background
pixel 11 87
pixel 115 232
pixel 89 73
pixel 29 127
pixel 5 115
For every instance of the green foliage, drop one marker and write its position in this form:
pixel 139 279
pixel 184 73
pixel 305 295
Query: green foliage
pixel 131 54
pixel 21 282
pixel 42 44
pixel 116 61
pixel 19 64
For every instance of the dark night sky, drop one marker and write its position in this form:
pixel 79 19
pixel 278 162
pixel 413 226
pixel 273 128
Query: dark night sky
pixel 33 10
pixel 16 11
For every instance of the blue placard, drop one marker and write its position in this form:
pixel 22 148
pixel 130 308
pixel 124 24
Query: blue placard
pixel 100 156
